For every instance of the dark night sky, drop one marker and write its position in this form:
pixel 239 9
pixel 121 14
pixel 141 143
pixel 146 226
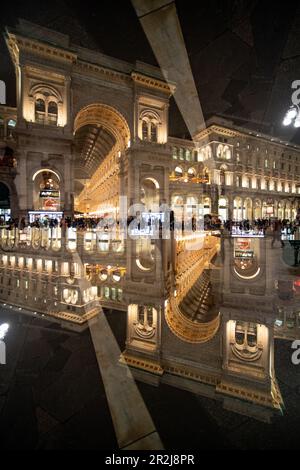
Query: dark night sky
pixel 244 53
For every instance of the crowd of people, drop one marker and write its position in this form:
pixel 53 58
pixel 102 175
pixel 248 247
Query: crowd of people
pixel 211 222
pixel 47 222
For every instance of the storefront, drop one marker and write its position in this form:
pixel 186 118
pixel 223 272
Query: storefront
pixel 46 196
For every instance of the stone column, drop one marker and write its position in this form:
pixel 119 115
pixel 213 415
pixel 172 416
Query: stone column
pixel 22 185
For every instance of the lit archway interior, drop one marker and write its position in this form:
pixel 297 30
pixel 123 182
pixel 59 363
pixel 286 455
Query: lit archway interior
pixel 101 134
pixel 46 191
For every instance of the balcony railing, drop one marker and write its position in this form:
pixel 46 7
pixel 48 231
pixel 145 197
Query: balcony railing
pixel 57 240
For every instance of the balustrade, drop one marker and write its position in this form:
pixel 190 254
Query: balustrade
pixel 57 239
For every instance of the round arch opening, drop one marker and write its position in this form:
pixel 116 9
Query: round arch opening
pixel 101 134
pixel 46 191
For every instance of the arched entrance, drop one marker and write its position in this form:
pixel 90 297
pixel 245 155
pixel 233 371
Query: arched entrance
pixel 5 209
pixel 237 209
pixel 294 211
pixel 280 211
pixel 150 194
pixel 288 211
pixel 46 191
pixel 247 209
pixel 257 209
pixel 108 117
pixel 101 137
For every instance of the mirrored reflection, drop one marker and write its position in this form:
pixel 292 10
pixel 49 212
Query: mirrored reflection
pixel 230 298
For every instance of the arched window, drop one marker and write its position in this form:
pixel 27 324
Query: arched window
pixel 40 110
pixel 153 126
pixel 145 130
pixel 222 177
pixel 219 151
pixel 52 112
pixel 227 153
pixel 149 122
pixel 47 101
pixel 223 151
pixel 208 152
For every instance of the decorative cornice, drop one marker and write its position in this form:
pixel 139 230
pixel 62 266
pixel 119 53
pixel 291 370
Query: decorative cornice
pixel 233 132
pixel 16 43
pixel 216 129
pixel 153 83
pixel 271 399
pixel 103 72
pixel 143 364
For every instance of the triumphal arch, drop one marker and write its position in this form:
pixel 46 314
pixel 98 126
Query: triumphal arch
pixel 89 140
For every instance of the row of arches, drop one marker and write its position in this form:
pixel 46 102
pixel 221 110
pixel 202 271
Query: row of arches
pixel 248 208
pixel 190 155
pixel 238 208
pixel 191 174
pixel 268 184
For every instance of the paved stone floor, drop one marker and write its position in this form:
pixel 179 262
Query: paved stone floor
pixel 52 397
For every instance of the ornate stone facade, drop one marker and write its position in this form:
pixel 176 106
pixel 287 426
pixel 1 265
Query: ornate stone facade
pixel 90 135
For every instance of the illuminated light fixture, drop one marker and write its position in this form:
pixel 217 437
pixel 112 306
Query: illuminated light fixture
pixel 3 330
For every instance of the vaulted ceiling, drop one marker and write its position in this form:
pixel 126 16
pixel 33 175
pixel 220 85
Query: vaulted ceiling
pixel 92 145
